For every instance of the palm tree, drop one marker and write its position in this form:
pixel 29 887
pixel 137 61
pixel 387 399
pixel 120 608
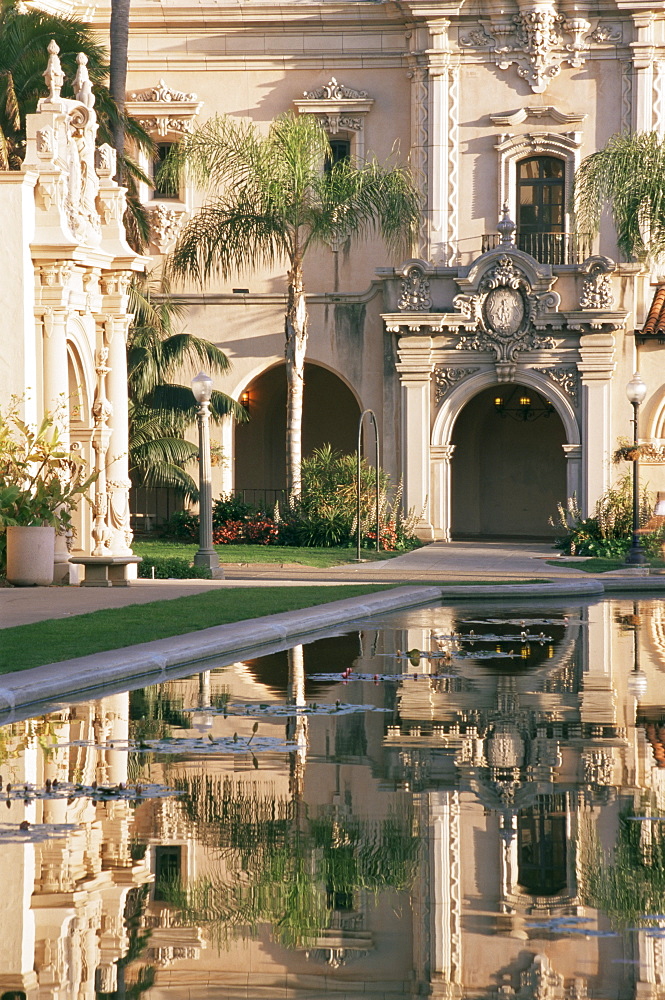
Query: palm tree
pixel 628 174
pixel 270 202
pixel 161 410
pixel 119 41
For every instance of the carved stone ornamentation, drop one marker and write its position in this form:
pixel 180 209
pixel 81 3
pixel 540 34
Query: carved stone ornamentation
pixel 597 286
pixel 414 288
pixel 53 74
pixel 334 91
pixel 339 109
pixel 604 34
pixel 165 224
pixel 45 142
pixel 506 310
pixel 446 378
pixel 162 92
pixel 566 377
pixel 534 40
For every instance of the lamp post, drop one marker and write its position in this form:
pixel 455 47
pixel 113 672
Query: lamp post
pixel 636 390
pixel 206 555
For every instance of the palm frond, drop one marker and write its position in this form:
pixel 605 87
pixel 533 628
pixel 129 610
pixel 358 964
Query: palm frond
pixel 628 176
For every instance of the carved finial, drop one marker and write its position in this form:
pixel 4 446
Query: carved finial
pixel 82 85
pixel 53 73
pixel 506 227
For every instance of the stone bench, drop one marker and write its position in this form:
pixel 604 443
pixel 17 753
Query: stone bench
pixel 105 571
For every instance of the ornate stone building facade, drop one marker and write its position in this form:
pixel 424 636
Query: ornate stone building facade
pixel 495 361
pixel 65 270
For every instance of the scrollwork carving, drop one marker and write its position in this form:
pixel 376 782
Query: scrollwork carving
pixel 446 378
pixel 597 286
pixel 414 289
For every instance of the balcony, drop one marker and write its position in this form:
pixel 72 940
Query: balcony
pixel 548 248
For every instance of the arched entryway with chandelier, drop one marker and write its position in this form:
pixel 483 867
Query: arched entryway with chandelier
pixel 509 453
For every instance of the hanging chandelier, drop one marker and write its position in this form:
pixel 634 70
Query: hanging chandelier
pixel 523 405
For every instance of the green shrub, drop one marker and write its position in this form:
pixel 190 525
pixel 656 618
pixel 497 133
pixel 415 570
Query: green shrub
pixel 231 507
pixel 325 513
pixel 609 531
pixel 172 568
pixel 182 526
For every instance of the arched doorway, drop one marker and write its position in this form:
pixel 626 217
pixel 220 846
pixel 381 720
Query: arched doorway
pixel 330 416
pixel 508 467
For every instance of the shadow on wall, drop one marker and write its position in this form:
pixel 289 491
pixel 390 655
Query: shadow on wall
pixel 330 416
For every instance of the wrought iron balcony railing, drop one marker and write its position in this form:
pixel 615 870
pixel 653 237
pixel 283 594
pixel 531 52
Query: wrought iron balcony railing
pixel 547 248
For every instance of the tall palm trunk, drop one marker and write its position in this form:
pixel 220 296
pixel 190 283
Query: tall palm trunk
pixel 119 39
pixel 295 330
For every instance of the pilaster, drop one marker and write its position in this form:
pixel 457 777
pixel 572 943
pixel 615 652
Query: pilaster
pixel 597 366
pixel 415 371
pixel 441 508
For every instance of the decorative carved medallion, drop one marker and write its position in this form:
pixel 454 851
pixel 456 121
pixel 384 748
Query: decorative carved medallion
pixel 597 286
pixel 414 292
pixel 504 309
pixel 446 378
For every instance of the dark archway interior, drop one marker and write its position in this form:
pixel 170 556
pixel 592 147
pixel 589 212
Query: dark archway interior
pixel 508 474
pixel 330 416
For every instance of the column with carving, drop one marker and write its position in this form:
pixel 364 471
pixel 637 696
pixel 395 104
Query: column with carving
pixel 115 285
pixel 419 134
pixel 597 366
pixel 442 147
pixel 415 372
pixel 52 309
pixel 441 456
pixel 445 895
pixel 642 48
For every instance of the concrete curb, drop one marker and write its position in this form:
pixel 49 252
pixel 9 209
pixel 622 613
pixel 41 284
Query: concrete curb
pixel 524 591
pixel 151 661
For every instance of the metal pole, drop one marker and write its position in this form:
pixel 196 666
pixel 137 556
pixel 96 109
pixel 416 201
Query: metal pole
pixel 206 555
pixel 636 556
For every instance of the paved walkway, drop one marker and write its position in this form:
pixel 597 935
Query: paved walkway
pixel 436 563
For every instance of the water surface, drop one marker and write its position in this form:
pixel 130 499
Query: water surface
pixel 454 801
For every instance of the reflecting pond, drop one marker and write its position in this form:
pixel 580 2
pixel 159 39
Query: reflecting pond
pixel 460 802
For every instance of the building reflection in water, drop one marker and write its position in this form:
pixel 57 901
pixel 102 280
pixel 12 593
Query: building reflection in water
pixel 486 827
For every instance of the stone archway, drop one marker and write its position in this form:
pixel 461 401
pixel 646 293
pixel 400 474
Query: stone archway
pixel 330 416
pixel 508 474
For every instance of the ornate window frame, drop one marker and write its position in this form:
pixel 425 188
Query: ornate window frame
pixel 341 111
pixel 513 148
pixel 166 114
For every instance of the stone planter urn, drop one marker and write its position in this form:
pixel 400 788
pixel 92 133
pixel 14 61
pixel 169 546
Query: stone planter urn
pixel 30 555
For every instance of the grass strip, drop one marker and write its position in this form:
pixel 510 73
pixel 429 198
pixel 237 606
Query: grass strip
pixel 322 558
pixel 50 641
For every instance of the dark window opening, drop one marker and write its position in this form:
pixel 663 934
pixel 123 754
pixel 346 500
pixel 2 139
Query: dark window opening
pixel 541 208
pixel 340 151
pixel 163 188
pixel 541 848
pixel 168 865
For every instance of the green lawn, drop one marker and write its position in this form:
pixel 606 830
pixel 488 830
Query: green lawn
pixel 266 554
pixel 26 646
